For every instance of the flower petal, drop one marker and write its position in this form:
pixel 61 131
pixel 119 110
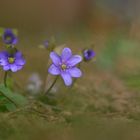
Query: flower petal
pixel 6 68
pixel 75 72
pixel 67 78
pixel 13 67
pixel 55 58
pixel 18 54
pixel 3 61
pixel 3 58
pixel 54 70
pixel 74 60
pixel 19 67
pixel 66 54
pixel 20 61
pixel 15 41
pixel 4 54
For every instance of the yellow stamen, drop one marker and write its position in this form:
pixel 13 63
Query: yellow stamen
pixel 11 60
pixel 8 38
pixel 63 66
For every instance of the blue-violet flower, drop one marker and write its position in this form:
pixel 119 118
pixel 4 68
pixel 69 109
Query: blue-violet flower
pixel 65 65
pixel 88 54
pixel 9 37
pixel 46 44
pixel 11 62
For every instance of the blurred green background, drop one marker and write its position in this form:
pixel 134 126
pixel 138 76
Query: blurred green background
pixel 105 103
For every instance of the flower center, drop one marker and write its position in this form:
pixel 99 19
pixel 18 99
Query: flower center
pixel 8 38
pixel 63 67
pixel 11 60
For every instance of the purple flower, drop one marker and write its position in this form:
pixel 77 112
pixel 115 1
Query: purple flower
pixel 88 54
pixel 9 37
pixel 34 83
pixel 46 44
pixel 65 65
pixel 11 62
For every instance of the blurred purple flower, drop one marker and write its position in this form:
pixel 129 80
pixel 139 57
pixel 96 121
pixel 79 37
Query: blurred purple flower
pixel 46 44
pixel 34 83
pixel 65 65
pixel 88 54
pixel 9 37
pixel 11 62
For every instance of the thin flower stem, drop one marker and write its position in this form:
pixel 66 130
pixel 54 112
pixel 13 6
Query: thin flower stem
pixel 48 65
pixel 50 88
pixel 5 78
pixel 46 78
pixel 5 84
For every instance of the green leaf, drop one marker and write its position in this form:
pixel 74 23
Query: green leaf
pixel 10 106
pixel 3 108
pixel 16 99
pixel 2 97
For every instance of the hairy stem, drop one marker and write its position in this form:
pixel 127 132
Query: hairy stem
pixel 45 84
pixel 50 88
pixel 5 78
pixel 5 84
